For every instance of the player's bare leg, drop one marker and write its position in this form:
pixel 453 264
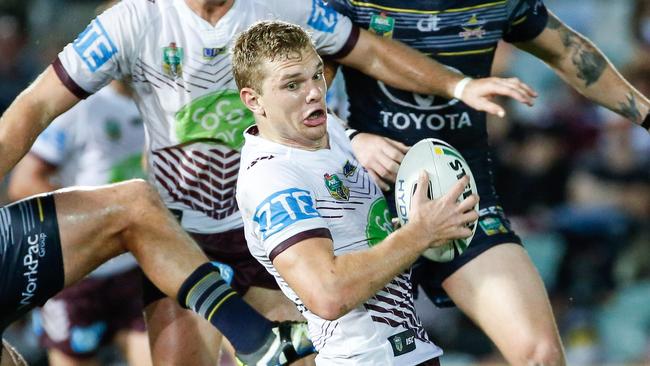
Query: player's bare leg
pixel 501 291
pixel 135 347
pixel 58 358
pixel 169 325
pixel 178 336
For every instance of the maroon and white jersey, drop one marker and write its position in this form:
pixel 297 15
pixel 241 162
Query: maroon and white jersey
pixel 288 195
pixel 181 70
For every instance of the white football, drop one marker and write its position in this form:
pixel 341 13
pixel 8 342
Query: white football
pixel 445 166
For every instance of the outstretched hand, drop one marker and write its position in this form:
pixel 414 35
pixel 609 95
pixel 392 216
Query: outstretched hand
pixel 478 93
pixel 380 156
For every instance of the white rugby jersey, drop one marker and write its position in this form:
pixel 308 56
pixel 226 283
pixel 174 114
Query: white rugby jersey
pixel 181 70
pixel 287 195
pixel 98 141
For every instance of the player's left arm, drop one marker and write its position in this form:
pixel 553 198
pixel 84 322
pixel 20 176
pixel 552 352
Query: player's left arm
pixel 403 67
pixel 583 66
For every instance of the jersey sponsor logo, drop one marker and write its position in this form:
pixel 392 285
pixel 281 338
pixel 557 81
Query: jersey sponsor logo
pixel 323 18
pixel 429 23
pixel 473 28
pixel 94 46
pixel 382 25
pixel 419 121
pixel 220 116
pixel 379 222
pixel 335 186
pixel 173 60
pixel 282 209
pixel 210 53
pixel 35 250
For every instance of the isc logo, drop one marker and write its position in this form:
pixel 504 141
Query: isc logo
pixel 94 46
pixel 281 209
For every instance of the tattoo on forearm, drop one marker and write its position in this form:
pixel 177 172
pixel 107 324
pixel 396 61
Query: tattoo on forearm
pixel 588 61
pixel 629 109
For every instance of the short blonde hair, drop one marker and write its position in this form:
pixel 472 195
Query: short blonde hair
pixel 266 41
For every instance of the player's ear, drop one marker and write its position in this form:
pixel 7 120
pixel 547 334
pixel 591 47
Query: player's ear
pixel 251 100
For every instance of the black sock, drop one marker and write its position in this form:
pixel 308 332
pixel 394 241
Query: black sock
pixel 207 294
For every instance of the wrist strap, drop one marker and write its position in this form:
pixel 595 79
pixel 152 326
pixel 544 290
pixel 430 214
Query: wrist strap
pixel 351 132
pixel 646 122
pixel 460 87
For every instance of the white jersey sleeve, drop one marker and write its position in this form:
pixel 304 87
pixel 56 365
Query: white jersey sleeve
pixel 279 212
pixel 332 32
pixel 104 50
pixel 56 142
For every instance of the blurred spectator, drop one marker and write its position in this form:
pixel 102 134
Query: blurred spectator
pixel 17 68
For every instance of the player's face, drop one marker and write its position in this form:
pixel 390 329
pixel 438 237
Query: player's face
pixel 293 99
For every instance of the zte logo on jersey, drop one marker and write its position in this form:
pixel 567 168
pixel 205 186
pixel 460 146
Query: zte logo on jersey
pixel 94 46
pixel 323 18
pixel 281 209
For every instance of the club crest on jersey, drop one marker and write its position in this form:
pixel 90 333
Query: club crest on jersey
pixel 173 60
pixel 349 169
pixel 336 188
pixel 210 53
pixel 112 130
pixel 473 28
pixel 382 25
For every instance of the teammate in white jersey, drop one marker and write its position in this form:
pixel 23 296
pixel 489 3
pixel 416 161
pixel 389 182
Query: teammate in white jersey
pixel 317 221
pixel 175 51
pixel 99 141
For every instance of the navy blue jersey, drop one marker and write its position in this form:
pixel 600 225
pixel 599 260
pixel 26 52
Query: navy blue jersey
pixel 460 34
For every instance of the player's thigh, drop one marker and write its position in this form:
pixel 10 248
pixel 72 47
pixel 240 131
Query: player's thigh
pixel 134 346
pixel 503 293
pixel 273 304
pixel 90 221
pixel 58 358
pixel 178 336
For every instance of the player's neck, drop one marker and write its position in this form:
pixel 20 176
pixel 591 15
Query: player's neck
pixel 210 10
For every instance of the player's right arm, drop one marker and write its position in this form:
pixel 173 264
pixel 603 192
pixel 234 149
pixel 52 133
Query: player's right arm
pixel 297 240
pixel 330 286
pixel 29 114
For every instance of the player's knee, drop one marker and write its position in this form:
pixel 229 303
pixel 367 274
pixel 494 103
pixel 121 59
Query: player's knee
pixel 543 352
pixel 142 196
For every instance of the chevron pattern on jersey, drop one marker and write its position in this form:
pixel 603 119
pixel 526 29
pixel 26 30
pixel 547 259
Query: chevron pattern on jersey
pixel 204 181
pixel 393 305
pixel 197 75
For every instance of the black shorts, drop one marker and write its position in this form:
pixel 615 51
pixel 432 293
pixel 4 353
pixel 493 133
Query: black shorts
pixel 230 253
pixel 493 229
pixel 31 263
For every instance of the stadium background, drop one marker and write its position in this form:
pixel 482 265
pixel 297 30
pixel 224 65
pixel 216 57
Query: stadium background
pixel 574 178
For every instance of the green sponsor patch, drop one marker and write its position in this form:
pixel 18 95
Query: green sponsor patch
pixel 379 225
pixel 492 225
pixel 382 25
pixel 128 168
pixel 220 117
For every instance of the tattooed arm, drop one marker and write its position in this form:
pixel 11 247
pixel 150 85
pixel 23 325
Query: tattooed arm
pixel 582 65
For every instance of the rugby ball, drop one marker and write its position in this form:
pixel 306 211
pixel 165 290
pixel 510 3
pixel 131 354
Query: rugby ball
pixel 445 166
